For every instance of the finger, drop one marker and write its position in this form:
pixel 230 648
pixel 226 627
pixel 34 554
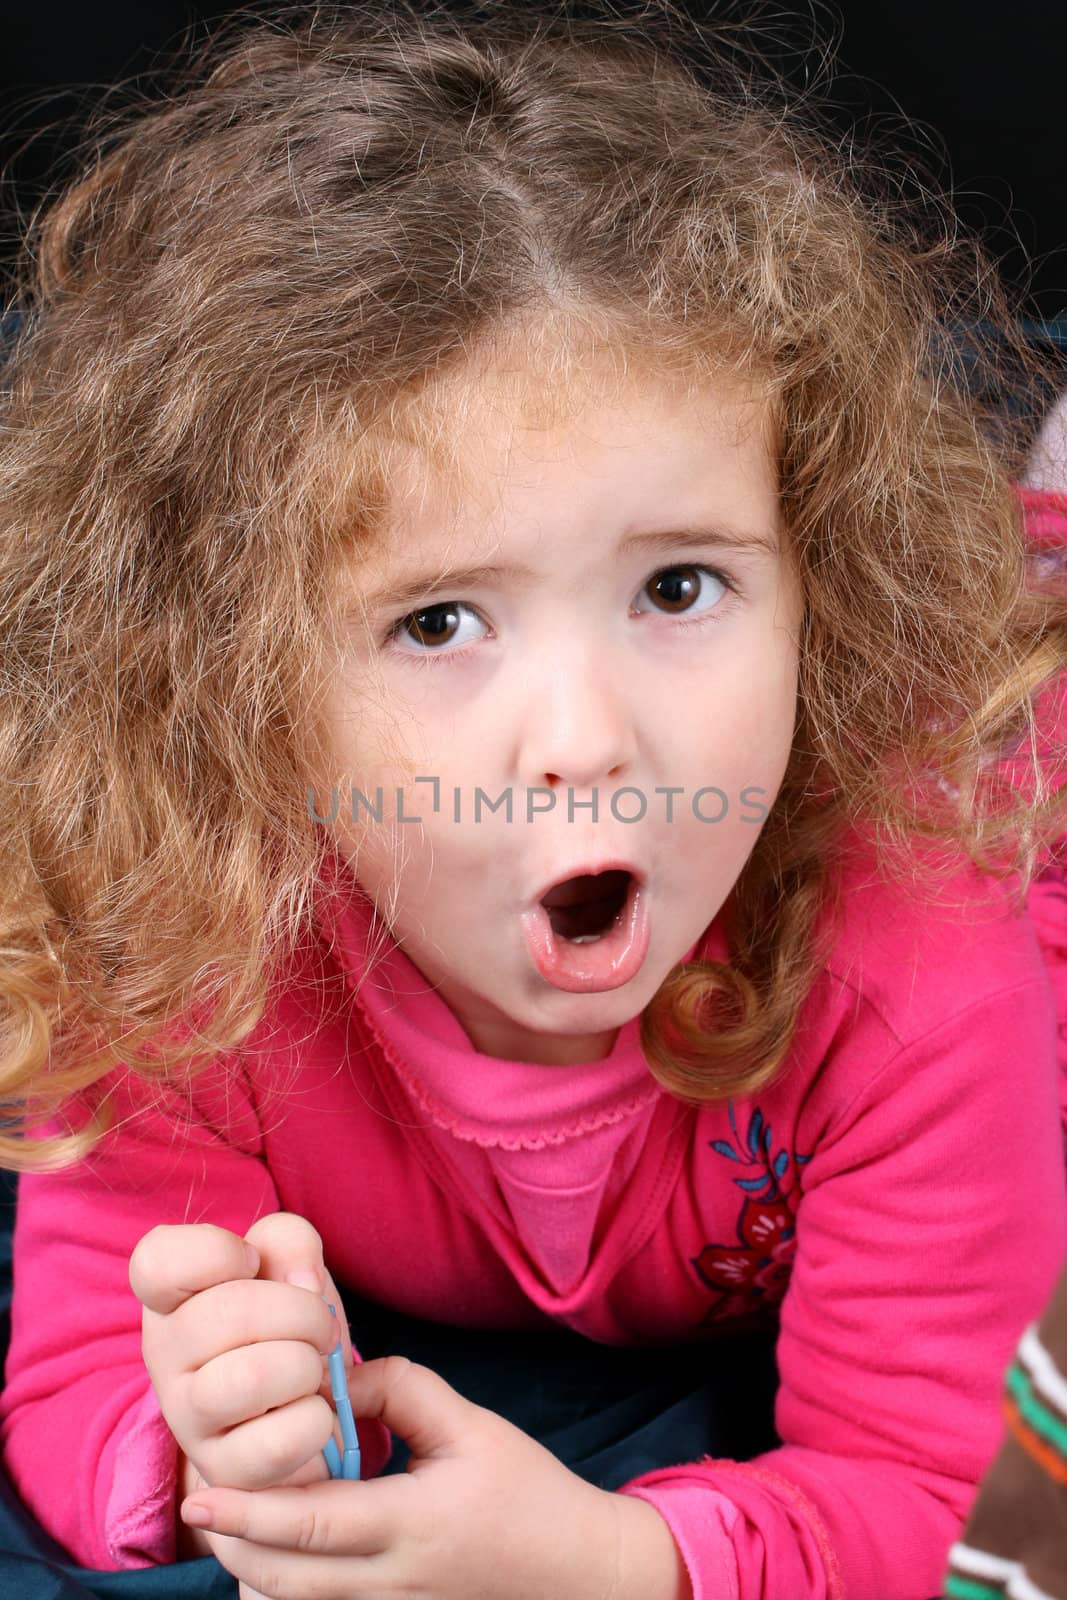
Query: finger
pixel 268 1449
pixel 334 1517
pixel 290 1250
pixel 414 1402
pixel 269 1574
pixel 244 1383
pixel 230 1316
pixel 171 1264
pixel 334 1299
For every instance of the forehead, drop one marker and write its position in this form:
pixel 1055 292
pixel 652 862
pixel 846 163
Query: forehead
pixel 437 472
pixel 460 434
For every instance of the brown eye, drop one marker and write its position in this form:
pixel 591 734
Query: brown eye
pixel 676 586
pixel 684 589
pixel 429 630
pixel 432 625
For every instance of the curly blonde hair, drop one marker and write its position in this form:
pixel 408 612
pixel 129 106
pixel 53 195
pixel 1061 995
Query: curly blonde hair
pixel 252 283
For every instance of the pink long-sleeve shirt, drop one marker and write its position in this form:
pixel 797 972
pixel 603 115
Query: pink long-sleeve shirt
pixel 897 1197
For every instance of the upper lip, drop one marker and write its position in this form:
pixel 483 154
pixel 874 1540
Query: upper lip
pixel 590 869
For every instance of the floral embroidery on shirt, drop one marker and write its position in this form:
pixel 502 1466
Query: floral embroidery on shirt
pixel 750 1277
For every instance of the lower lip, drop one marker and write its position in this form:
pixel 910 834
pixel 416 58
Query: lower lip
pixel 607 963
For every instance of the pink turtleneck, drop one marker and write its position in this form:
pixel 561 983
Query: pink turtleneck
pixel 564 1141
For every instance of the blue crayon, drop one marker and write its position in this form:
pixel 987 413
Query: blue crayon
pixel 348 1464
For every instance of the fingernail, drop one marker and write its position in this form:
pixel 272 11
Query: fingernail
pixel 304 1278
pixel 196 1515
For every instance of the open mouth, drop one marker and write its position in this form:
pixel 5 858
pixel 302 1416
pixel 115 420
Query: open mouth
pixel 584 908
pixel 591 933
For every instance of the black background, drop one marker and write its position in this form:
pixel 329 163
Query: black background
pixel 985 84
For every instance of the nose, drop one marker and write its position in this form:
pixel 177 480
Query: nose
pixel 577 722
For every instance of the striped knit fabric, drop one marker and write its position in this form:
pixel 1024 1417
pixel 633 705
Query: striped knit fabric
pixel 1014 1544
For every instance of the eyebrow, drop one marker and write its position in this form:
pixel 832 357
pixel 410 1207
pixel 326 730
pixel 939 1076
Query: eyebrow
pixel 403 591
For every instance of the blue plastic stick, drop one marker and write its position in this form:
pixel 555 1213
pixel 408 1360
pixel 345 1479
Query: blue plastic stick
pixel 348 1464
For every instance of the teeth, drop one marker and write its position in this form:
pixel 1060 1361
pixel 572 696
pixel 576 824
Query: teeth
pixel 586 938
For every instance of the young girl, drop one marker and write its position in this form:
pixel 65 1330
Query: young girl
pixel 522 780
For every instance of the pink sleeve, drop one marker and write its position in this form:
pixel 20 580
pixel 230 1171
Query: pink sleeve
pixel 932 1228
pixel 83 1438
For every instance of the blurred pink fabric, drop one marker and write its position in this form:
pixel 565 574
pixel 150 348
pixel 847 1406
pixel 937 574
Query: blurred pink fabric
pixel 1046 528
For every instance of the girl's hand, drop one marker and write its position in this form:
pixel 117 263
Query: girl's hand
pixel 234 1340
pixel 483 1513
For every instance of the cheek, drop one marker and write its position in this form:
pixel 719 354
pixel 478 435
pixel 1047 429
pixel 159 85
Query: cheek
pixel 741 739
pixel 745 714
pixel 375 731
pixel 368 755
pixel 413 851
pixel 767 681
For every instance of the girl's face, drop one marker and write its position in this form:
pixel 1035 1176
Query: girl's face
pixel 644 639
